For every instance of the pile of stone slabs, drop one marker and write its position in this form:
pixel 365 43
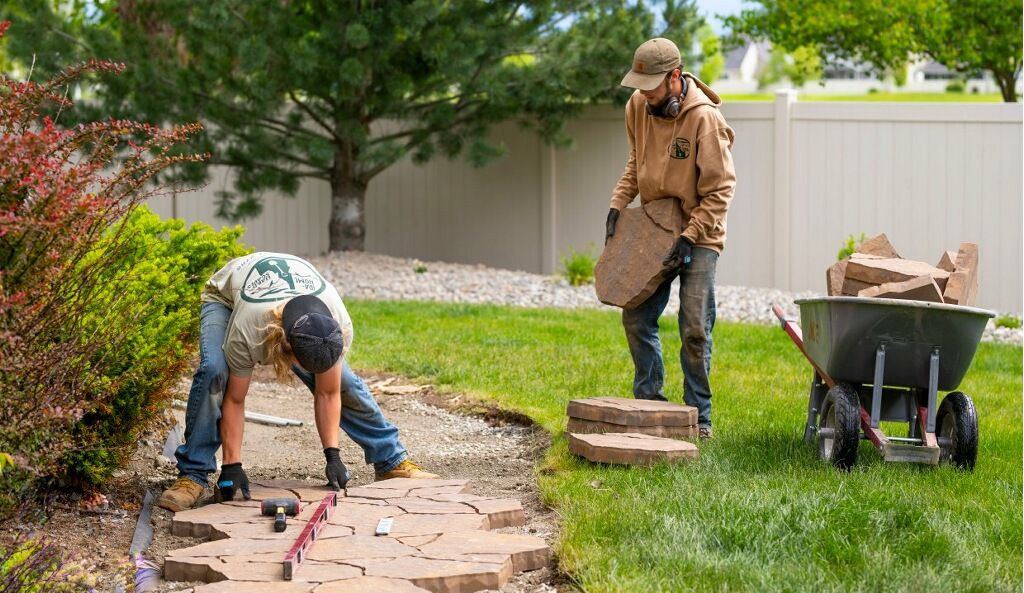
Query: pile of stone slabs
pixel 441 541
pixel 631 431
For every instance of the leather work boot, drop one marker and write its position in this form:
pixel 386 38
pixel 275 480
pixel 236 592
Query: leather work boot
pixel 406 469
pixel 704 432
pixel 182 495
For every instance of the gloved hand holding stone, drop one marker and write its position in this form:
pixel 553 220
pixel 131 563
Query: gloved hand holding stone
pixel 681 254
pixel 609 225
pixel 337 475
pixel 232 479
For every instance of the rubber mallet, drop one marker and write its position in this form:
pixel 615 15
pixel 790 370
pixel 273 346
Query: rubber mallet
pixel 280 508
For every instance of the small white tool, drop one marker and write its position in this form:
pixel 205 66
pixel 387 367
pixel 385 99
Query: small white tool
pixel 384 526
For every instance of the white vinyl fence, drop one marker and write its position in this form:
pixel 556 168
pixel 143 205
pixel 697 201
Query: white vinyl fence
pixel 929 175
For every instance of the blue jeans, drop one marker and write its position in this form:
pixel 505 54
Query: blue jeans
pixel 696 320
pixel 361 417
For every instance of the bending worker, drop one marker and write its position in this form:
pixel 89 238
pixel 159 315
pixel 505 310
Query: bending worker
pixel 679 149
pixel 276 309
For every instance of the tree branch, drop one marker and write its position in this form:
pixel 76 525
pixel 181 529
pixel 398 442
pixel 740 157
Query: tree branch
pixel 233 163
pixel 313 115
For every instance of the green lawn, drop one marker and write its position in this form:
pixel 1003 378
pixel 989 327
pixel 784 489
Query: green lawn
pixel 758 512
pixel 874 97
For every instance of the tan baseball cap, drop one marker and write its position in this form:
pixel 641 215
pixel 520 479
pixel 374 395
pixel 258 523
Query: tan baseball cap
pixel 651 61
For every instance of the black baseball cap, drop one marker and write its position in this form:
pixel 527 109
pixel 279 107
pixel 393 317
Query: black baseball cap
pixel 314 335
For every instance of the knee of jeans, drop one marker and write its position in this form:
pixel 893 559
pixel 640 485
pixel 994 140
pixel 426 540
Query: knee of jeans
pixel 218 377
pixel 694 342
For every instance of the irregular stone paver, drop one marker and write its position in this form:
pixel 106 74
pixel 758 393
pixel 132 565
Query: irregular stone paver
pixel 419 506
pixel 632 412
pixel 439 541
pixel 502 512
pixel 527 553
pixel 442 575
pixel 581 426
pixel 359 546
pixel 229 587
pixel 630 448
pixel 369 585
pixel 427 524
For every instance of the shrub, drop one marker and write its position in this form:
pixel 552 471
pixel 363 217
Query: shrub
pixel 94 315
pixel 33 565
pixel 955 86
pixel 578 267
pixel 1010 321
pixel 158 277
pixel 850 246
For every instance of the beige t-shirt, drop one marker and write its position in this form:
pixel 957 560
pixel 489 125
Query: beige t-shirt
pixel 252 286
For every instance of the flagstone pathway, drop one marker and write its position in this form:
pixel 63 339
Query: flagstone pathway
pixel 441 541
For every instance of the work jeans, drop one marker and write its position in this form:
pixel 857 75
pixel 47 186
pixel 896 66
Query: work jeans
pixel 361 417
pixel 696 320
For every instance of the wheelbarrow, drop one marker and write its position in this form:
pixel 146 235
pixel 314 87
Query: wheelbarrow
pixel 886 360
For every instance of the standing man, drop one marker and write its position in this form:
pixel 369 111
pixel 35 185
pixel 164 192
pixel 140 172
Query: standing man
pixel 679 149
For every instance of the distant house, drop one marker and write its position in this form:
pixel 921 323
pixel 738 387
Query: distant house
pixel 844 69
pixel 745 63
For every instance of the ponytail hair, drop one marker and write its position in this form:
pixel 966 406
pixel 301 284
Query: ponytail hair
pixel 274 342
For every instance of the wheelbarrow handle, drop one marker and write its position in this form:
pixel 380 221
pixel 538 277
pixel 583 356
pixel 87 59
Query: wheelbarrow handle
pixel 779 313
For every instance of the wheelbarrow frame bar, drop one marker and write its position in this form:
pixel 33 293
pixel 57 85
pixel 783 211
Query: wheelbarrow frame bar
pixel 927 452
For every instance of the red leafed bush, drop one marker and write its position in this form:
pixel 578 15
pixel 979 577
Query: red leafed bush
pixel 62 193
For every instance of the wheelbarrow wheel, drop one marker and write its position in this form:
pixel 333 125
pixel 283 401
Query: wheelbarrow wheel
pixel 957 426
pixel 839 426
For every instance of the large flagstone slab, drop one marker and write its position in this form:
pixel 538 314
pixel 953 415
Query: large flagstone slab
pixel 630 448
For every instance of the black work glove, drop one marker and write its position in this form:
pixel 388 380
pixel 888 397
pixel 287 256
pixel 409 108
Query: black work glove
pixel 681 254
pixel 609 225
pixel 337 475
pixel 232 479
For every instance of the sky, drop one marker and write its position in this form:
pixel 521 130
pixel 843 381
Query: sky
pixel 710 8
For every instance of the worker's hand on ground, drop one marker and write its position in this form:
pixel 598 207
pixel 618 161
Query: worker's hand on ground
pixel 337 475
pixel 232 479
pixel 609 225
pixel 681 254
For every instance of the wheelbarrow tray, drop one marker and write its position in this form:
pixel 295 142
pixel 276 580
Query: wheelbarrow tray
pixel 842 334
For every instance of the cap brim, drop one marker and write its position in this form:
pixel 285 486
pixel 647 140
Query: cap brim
pixel 644 82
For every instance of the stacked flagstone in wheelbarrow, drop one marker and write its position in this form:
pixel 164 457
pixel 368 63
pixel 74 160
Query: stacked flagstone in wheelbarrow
pixel 441 541
pixel 875 269
pixel 631 431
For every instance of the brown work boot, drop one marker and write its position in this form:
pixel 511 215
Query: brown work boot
pixel 406 469
pixel 704 432
pixel 183 494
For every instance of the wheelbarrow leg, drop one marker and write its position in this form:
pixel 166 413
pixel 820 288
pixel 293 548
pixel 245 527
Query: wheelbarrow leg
pixel 817 396
pixel 876 390
pixel 933 389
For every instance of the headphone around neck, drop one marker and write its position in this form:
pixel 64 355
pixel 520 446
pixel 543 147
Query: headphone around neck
pixel 673 105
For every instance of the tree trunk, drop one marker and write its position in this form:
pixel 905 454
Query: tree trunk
pixel 348 205
pixel 1007 85
pixel 348 214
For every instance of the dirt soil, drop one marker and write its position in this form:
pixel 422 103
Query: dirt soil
pixel 445 433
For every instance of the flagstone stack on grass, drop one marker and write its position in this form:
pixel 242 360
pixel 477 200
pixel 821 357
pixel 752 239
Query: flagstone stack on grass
pixel 875 269
pixel 631 431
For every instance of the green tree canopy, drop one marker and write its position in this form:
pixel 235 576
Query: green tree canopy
pixel 712 59
pixel 339 91
pixel 966 36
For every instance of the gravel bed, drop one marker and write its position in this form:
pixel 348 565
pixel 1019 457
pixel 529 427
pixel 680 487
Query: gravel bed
pixel 380 277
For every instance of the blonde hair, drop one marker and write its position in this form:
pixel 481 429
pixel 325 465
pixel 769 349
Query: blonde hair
pixel 274 342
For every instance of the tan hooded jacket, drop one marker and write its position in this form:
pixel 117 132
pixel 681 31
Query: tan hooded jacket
pixel 688 158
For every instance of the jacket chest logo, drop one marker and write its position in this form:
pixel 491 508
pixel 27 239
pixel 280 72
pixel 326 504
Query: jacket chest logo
pixel 680 148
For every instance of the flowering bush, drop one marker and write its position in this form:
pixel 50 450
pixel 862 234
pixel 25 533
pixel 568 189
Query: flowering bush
pixel 95 308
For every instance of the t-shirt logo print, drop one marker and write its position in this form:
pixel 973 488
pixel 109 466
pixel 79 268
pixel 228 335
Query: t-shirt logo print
pixel 280 278
pixel 680 148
